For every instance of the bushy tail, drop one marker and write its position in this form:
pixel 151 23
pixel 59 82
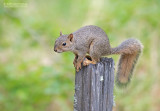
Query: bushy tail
pixel 130 51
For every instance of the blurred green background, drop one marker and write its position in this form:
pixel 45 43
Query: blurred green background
pixel 35 78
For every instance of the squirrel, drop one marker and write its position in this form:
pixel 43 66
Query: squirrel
pixel 94 41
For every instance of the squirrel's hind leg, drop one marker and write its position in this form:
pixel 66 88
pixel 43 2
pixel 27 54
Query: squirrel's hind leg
pixel 94 55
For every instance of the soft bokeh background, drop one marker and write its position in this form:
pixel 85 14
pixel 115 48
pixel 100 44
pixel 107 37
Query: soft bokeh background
pixel 34 78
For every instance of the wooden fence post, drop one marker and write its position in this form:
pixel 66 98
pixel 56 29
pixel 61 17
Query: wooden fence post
pixel 94 87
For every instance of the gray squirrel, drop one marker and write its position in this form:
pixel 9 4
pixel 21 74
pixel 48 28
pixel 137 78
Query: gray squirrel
pixel 93 40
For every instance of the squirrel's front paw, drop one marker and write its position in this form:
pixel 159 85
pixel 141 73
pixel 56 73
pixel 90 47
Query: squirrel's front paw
pixel 78 66
pixel 74 63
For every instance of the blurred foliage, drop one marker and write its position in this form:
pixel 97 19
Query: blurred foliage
pixel 34 78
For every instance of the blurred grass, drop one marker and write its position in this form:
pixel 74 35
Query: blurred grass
pixel 34 78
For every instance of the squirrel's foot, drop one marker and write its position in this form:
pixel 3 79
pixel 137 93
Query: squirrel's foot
pixel 87 62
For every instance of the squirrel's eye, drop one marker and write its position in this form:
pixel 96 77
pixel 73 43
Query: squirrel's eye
pixel 64 44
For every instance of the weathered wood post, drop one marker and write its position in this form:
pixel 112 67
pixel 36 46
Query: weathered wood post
pixel 94 87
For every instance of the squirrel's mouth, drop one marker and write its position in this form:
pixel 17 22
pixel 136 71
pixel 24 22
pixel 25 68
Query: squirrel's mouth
pixel 59 51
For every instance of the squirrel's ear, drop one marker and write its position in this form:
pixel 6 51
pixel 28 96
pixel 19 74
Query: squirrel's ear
pixel 70 37
pixel 61 33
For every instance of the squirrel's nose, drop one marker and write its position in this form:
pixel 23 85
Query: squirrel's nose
pixel 55 50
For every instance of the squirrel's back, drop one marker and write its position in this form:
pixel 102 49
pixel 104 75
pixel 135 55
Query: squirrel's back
pixel 88 34
pixel 90 31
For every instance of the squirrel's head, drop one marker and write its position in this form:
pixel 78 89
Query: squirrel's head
pixel 63 43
